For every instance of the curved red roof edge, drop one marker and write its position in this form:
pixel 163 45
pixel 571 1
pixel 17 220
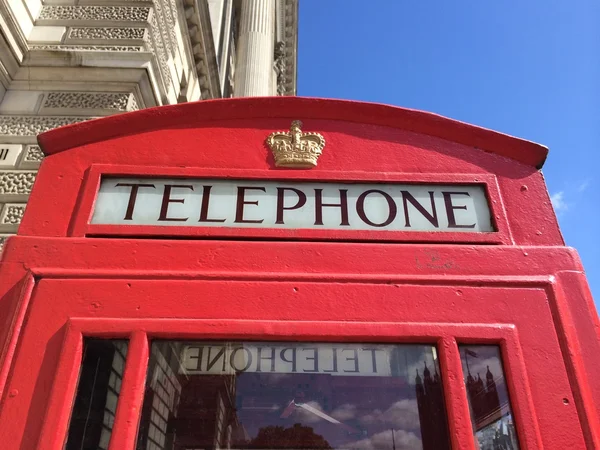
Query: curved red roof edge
pixel 82 133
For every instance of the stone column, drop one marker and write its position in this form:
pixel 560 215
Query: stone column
pixel 255 49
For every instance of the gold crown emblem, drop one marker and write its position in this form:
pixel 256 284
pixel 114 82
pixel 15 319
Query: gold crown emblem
pixel 294 148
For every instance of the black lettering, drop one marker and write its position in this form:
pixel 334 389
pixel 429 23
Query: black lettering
pixel 431 217
pixel 135 187
pixel 334 364
pixel 360 208
pixel 293 360
pixel 211 362
pixel 280 202
pixel 166 200
pixel 343 205
pixel 248 357
pixel 373 357
pixel 197 358
pixel 352 358
pixel 260 358
pixel 241 202
pixel 205 205
pixel 450 207
pixel 314 358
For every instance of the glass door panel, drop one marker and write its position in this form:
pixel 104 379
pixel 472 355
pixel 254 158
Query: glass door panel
pixel 266 395
pixel 491 414
pixel 97 395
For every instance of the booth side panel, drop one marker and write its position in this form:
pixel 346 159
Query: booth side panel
pixel 55 195
pixel 529 211
pixel 32 372
pixel 579 327
pixel 16 286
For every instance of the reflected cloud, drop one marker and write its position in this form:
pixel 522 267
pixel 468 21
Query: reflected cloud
pixel 479 367
pixel 402 414
pixel 306 416
pixel 479 358
pixel 401 440
pixel 344 412
pixel 419 365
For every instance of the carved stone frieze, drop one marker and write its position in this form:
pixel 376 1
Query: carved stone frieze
pixel 16 182
pixel 12 213
pixel 205 58
pixel 171 18
pixel 289 50
pixel 3 238
pixel 88 100
pixel 104 13
pixel 155 44
pixel 33 154
pixel 106 33
pixel 280 67
pixel 166 26
pixel 34 125
pixel 96 48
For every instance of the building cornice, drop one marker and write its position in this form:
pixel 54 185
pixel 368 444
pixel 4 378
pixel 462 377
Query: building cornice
pixel 12 42
pixel 203 48
pixel 291 45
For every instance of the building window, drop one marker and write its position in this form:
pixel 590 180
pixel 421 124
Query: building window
pixel 491 415
pixel 98 391
pixel 266 395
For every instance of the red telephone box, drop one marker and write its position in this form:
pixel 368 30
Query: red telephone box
pixel 219 275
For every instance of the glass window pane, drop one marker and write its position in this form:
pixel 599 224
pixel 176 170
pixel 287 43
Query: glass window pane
pixel 491 415
pixel 98 391
pixel 266 395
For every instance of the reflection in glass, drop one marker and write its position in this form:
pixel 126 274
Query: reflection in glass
pixel 226 395
pixel 491 415
pixel 98 391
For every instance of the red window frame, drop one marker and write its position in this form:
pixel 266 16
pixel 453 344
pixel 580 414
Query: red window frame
pixel 447 339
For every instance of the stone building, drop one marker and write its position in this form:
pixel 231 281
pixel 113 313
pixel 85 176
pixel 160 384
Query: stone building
pixel 66 61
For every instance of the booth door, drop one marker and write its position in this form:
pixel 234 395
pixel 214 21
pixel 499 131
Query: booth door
pixel 191 364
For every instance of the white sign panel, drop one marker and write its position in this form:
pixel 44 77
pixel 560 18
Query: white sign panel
pixel 9 154
pixel 332 359
pixel 297 205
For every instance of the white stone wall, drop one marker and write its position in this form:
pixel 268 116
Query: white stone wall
pixel 65 61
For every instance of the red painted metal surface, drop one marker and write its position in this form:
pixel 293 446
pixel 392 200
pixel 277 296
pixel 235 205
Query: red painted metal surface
pixel 519 287
pixel 225 138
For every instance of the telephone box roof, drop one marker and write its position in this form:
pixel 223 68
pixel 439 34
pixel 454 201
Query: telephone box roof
pixel 211 111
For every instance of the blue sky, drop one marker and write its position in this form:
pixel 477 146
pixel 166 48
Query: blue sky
pixel 527 68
